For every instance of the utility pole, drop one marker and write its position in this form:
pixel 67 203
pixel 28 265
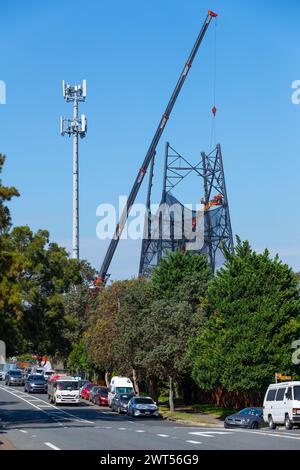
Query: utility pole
pixel 75 127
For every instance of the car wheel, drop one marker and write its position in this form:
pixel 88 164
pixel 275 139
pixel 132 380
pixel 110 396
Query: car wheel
pixel 272 425
pixel 287 423
pixel 119 410
pixel 254 425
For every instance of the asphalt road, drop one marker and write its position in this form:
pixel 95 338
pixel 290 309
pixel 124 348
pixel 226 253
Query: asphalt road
pixel 30 422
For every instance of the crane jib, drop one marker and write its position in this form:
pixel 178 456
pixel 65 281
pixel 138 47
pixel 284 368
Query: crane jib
pixel 152 149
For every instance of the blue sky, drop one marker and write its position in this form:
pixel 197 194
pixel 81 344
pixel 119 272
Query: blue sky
pixel 131 54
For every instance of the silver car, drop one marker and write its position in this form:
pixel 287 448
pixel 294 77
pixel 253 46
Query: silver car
pixel 142 406
pixel 14 377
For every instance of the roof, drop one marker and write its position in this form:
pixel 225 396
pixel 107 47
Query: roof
pixel 285 384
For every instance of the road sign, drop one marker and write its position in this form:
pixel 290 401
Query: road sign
pixel 283 377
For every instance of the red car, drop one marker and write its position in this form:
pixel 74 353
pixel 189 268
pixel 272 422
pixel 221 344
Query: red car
pixel 101 397
pixel 85 392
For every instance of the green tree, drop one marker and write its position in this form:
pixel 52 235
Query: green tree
pixel 182 276
pixel 129 339
pixel 77 303
pixel 254 316
pixel 10 266
pixel 102 329
pixel 78 360
pixel 47 276
pixel 180 282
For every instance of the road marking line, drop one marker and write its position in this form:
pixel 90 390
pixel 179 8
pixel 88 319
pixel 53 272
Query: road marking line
pixel 52 446
pixel 139 430
pixel 162 435
pixel 210 433
pixel 194 442
pixel 122 429
pixel 22 430
pixel 283 436
pixel 81 420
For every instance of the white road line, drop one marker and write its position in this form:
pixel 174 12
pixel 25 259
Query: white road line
pixel 210 433
pixel 52 446
pixel 139 430
pixel 194 442
pixel 80 420
pixel 162 435
pixel 122 429
pixel 271 434
pixel 24 432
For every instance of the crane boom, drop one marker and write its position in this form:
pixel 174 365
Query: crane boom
pixel 152 149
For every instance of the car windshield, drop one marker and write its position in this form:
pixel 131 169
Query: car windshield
pixel 297 393
pixel 251 411
pixel 40 378
pixel 103 392
pixel 144 401
pixel 121 390
pixel 15 373
pixel 125 398
pixel 68 385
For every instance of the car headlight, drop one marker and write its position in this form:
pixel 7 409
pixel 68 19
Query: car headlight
pixel 58 396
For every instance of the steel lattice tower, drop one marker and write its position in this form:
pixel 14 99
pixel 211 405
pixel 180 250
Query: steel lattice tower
pixel 217 223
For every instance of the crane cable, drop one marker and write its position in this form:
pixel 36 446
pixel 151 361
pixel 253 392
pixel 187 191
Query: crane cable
pixel 213 138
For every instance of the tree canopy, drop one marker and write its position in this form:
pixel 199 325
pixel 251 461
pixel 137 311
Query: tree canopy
pixel 254 316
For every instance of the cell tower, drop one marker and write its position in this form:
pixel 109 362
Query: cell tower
pixel 75 127
pixel 216 217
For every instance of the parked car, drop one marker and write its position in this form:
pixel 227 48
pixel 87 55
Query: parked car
pixel 142 406
pixel 282 405
pixel 249 418
pixel 5 367
pixel 35 383
pixel 85 391
pixel 101 396
pixel 92 392
pixel 119 385
pixel 14 377
pixel 120 402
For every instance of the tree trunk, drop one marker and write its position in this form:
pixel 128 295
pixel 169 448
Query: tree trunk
pixel 107 378
pixel 153 388
pixel 171 394
pixel 135 382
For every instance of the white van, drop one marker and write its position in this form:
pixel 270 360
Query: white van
pixel 119 385
pixel 64 390
pixel 282 405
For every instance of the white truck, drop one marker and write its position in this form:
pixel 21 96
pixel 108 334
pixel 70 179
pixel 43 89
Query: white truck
pixel 119 385
pixel 64 390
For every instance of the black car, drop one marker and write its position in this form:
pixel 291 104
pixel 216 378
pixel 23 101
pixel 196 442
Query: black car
pixel 35 384
pixel 120 402
pixel 249 418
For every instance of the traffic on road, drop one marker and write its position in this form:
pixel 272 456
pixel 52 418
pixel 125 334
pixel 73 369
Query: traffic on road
pixel 65 412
